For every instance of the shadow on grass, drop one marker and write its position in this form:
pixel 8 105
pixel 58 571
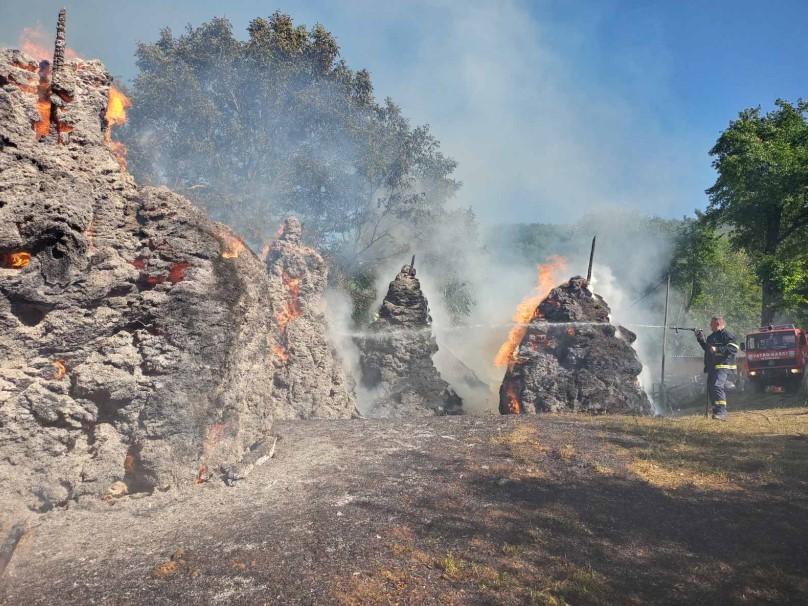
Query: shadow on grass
pixel 573 530
pixel 752 451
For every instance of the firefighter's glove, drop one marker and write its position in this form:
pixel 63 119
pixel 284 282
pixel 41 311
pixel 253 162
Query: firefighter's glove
pixel 700 336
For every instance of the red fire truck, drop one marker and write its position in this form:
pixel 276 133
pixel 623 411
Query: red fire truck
pixel 776 357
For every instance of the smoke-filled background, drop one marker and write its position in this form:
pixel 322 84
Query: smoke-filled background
pixel 548 123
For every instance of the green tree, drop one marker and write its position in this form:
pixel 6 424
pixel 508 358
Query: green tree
pixel 278 124
pixel 761 195
pixel 695 259
pixel 732 290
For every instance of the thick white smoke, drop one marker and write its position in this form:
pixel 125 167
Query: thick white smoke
pixel 632 253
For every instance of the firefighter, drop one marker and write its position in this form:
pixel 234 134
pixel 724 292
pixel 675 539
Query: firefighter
pixel 719 361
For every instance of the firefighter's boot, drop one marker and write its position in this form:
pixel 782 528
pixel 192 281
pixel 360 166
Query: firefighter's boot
pixel 720 410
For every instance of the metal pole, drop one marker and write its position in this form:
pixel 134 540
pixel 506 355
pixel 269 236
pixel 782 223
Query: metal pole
pixel 663 396
pixel 591 258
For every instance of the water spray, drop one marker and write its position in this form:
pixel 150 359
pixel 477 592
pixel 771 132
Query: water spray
pixel 461 327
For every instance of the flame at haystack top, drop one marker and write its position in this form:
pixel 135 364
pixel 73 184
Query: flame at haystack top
pixel 117 104
pixel 548 275
pixel 35 41
pixel 15 260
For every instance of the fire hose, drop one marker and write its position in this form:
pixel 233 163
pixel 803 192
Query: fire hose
pixel 678 328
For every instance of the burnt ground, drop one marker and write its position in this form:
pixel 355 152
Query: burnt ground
pixel 456 510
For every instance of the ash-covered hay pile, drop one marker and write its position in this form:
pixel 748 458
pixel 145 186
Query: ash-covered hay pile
pixel 136 335
pixel 572 359
pixel 308 382
pixel 396 356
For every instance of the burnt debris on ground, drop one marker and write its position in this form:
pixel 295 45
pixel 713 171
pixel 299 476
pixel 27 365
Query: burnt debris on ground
pixel 571 358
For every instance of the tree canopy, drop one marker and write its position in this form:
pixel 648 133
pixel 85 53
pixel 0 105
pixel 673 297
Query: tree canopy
pixel 279 124
pixel 713 276
pixel 761 195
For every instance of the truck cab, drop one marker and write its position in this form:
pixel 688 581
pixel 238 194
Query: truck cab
pixel 776 357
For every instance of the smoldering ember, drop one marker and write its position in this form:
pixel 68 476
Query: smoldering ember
pixel 202 412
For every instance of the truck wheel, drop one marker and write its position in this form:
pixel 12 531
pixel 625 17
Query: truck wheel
pixel 803 385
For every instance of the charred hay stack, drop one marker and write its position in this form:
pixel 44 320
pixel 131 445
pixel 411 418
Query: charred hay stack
pixel 309 382
pixel 572 358
pixel 137 337
pixel 396 359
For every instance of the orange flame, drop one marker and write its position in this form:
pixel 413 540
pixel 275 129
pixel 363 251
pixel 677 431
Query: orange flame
pixel 201 475
pixel 280 353
pixel 43 104
pixel 293 288
pixel 15 260
pixel 526 310
pixel 42 127
pixel 35 41
pixel 117 104
pixel 291 309
pixel 129 462
pixel 233 247
pixel 119 150
pixel 514 406
pixel 59 365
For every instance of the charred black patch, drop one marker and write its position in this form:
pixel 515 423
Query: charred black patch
pixel 136 476
pixel 27 312
pixel 5 141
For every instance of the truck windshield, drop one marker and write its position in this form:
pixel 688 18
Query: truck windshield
pixel 782 340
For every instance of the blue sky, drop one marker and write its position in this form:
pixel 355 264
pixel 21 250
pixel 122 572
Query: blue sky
pixel 552 108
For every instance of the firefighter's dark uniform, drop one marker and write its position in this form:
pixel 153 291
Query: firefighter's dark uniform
pixel 718 365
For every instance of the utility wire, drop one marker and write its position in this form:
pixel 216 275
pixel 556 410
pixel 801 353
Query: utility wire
pixel 648 291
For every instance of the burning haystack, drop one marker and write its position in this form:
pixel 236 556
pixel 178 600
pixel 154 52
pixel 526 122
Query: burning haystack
pixel 396 357
pixel 137 337
pixel 308 380
pixel 571 358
